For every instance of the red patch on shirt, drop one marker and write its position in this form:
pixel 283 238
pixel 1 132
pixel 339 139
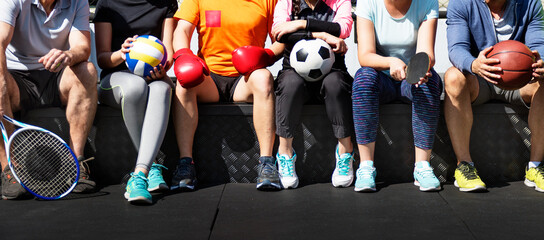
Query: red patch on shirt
pixel 213 18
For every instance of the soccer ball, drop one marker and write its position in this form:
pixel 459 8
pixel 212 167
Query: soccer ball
pixel 312 59
pixel 146 53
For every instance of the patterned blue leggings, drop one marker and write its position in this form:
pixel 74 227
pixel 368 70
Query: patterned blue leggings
pixel 372 88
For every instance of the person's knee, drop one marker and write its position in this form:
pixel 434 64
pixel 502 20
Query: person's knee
pixel 365 77
pixel 332 86
pixel 291 84
pixel 455 82
pixel 86 73
pixel 160 88
pixel 262 82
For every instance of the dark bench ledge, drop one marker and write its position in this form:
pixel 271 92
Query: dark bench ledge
pixel 226 149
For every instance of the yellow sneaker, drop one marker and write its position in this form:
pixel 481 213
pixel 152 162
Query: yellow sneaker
pixel 534 177
pixel 467 179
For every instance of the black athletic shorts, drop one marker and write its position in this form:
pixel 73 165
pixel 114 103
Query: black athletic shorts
pixel 225 86
pixel 38 88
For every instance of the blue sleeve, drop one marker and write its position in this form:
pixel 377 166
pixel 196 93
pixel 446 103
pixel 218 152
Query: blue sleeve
pixel 534 38
pixel 458 35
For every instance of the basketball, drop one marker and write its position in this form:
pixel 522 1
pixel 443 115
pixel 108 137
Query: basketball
pixel 146 53
pixel 516 61
pixel 312 59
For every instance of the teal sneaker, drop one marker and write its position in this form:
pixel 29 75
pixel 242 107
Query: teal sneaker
pixel 155 179
pixel 136 191
pixel 366 175
pixel 286 169
pixel 424 177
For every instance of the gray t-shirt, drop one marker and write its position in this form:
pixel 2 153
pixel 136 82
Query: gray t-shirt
pixel 504 26
pixel 35 33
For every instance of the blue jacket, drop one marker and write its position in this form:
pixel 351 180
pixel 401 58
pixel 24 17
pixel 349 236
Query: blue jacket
pixel 471 30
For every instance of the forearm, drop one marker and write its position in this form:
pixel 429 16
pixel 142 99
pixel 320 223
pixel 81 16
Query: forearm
pixel 375 61
pixel 110 59
pixel 4 75
pixel 332 28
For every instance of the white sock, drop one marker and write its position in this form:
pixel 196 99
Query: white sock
pixel 533 164
pixel 369 163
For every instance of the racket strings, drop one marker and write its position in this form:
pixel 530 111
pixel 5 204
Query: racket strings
pixel 42 162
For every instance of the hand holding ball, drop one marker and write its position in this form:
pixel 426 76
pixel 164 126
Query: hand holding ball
pixel 146 53
pixel 516 61
pixel 312 59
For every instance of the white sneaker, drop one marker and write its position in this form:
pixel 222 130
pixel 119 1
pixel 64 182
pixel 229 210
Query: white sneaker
pixel 286 169
pixel 343 173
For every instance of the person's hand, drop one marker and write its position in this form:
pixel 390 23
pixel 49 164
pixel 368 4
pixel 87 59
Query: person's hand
pixel 158 72
pixel 287 27
pixel 55 60
pixel 424 79
pixel 337 44
pixel 397 69
pixel 482 66
pixel 538 68
pixel 125 47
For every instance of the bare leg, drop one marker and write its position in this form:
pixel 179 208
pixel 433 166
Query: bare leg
pixel 259 89
pixel 345 145
pixel 78 92
pixel 366 151
pixel 186 112
pixel 11 104
pixel 461 90
pixel 534 94
pixel 285 146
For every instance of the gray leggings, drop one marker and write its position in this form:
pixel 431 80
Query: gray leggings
pixel 145 107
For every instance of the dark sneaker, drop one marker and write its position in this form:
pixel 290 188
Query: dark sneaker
pixel 11 189
pixel 268 176
pixel 84 184
pixel 184 176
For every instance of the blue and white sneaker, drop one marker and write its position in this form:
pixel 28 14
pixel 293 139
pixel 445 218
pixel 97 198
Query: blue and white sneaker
pixel 184 176
pixel 155 178
pixel 268 177
pixel 136 190
pixel 286 169
pixel 343 172
pixel 424 177
pixel 366 175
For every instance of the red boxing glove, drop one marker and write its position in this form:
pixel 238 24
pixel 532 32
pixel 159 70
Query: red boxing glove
pixel 247 59
pixel 189 69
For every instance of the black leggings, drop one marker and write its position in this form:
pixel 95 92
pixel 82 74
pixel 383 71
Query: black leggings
pixel 292 91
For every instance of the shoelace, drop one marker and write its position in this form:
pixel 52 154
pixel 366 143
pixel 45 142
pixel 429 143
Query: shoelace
pixel 183 170
pixel 365 172
pixel 268 170
pixel 84 169
pixel 540 170
pixel 138 181
pixel 426 172
pixel 156 170
pixel 468 171
pixel 343 164
pixel 286 167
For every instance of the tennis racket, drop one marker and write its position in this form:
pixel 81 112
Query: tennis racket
pixel 40 160
pixel 418 67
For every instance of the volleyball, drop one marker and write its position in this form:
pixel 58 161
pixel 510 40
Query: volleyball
pixel 146 53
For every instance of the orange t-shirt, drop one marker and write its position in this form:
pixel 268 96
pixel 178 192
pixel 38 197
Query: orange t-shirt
pixel 224 25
